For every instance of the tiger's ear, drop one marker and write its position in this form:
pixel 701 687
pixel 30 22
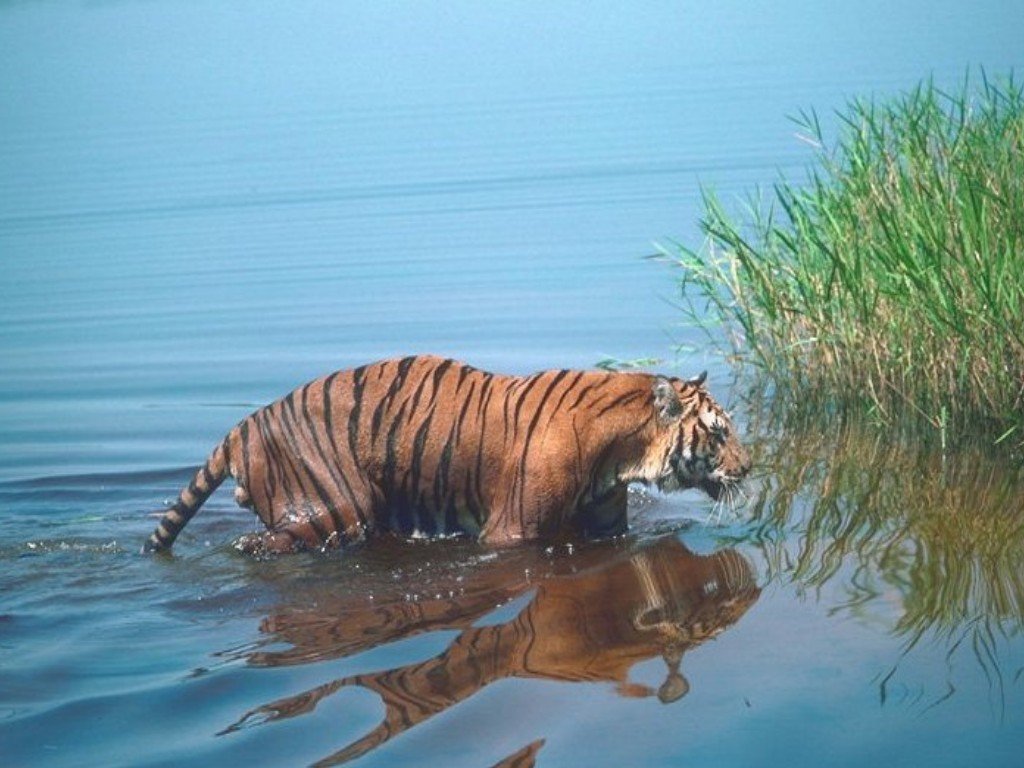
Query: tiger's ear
pixel 666 400
pixel 698 380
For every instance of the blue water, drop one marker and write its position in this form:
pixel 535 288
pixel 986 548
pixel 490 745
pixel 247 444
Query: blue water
pixel 203 205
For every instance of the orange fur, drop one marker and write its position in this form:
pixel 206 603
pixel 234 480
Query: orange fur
pixel 424 445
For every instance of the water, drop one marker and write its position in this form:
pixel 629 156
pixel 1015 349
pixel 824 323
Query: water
pixel 203 205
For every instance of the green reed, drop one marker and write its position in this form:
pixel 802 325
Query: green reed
pixel 893 278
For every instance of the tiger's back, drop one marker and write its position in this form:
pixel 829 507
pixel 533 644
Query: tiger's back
pixel 429 446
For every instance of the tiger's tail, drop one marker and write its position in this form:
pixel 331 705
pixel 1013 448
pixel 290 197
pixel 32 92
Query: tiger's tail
pixel 192 497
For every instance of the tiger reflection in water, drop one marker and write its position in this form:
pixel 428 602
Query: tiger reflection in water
pixel 594 625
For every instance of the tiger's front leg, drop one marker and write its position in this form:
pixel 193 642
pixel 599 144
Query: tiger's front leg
pixel 538 506
pixel 603 516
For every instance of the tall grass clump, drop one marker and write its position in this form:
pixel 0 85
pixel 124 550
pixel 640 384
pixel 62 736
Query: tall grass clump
pixel 892 279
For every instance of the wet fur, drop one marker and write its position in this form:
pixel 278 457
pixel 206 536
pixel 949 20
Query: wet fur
pixel 429 446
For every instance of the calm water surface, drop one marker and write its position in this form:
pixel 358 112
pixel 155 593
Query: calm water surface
pixel 203 205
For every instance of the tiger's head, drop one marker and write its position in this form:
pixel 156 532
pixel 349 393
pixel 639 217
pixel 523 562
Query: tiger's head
pixel 699 447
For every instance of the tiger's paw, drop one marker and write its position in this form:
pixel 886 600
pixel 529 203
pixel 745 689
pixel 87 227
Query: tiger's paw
pixel 267 543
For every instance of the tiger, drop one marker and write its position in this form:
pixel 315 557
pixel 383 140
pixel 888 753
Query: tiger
pixel 424 446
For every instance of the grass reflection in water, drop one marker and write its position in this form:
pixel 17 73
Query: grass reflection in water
pixel 930 543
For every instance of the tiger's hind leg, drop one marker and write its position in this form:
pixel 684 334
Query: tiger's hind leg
pixel 286 531
pixel 320 532
pixel 272 543
pixel 297 536
pixel 304 504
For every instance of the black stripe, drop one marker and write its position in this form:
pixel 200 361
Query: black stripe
pixel 454 437
pixel 484 390
pixel 355 499
pixel 418 393
pixel 332 469
pixel 620 401
pixel 282 408
pixel 441 484
pixel 521 479
pixel 418 445
pixel 159 539
pixel 583 393
pixel 390 453
pixel 506 403
pixel 358 389
pixel 568 389
pixel 243 435
pixel 289 424
pixel 464 371
pixel 270 471
pixel 378 414
pixel 173 528
pixel 638 428
pixel 535 380
pixel 397 382
pixel 478 476
pixel 332 438
pixel 439 373
pixel 329 416
pixel 457 426
pixel 274 461
pixel 473 501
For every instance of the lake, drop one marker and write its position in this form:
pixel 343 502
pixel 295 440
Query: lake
pixel 203 205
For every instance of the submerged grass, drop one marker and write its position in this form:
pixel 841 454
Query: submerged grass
pixel 893 278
